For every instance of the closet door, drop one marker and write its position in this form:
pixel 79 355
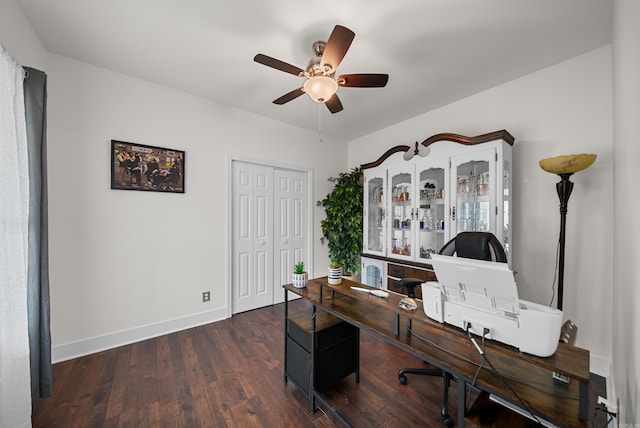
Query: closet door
pixel 252 276
pixel 290 226
pixel 270 228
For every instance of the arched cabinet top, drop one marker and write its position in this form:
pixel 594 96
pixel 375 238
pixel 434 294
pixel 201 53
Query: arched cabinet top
pixel 455 138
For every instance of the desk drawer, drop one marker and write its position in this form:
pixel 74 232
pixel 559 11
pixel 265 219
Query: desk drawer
pixel 411 272
pixel 332 364
pixel 298 365
pixel 395 270
pixel 329 330
pixel 392 285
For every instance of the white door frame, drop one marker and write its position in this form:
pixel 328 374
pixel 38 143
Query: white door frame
pixel 229 237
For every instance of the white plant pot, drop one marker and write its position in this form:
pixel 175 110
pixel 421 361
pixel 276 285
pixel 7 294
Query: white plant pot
pixel 299 280
pixel 351 277
pixel 334 276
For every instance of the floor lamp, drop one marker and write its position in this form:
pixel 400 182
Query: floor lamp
pixel 565 166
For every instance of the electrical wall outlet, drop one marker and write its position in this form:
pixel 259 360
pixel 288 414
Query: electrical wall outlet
pixel 560 377
pixel 611 407
pixel 206 296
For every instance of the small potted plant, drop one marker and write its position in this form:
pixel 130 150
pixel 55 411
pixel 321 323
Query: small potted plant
pixel 334 276
pixel 299 276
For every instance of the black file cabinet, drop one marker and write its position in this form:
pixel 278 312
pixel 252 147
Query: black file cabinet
pixel 335 353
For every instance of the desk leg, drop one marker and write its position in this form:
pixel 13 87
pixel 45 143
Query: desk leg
pixel 286 314
pixel 396 324
pixel 462 401
pixel 583 401
pixel 358 356
pixel 312 387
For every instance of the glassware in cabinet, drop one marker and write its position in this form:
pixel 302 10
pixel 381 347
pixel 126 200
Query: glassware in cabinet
pixel 473 176
pixel 375 213
pixel 431 209
pixel 403 212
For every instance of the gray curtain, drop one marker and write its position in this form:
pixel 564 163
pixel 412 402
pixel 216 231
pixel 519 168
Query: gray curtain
pixel 35 100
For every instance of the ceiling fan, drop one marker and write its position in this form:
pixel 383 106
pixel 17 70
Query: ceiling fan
pixel 321 84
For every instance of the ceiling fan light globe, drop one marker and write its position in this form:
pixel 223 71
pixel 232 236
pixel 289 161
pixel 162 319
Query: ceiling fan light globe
pixel 320 88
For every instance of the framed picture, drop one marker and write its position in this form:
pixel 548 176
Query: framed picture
pixel 146 168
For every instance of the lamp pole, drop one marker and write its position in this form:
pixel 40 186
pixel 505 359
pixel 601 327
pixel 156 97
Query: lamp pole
pixel 564 188
pixel 565 167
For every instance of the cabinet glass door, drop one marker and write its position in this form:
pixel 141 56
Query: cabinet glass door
pixel 506 207
pixel 402 213
pixel 432 222
pixel 373 272
pixel 374 213
pixel 474 181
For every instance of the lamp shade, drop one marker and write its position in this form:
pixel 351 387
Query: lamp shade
pixel 320 88
pixel 567 164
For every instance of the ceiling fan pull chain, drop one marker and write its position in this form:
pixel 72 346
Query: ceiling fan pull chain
pixel 320 105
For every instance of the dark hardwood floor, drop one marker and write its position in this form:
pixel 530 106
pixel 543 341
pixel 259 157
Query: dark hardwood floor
pixel 230 374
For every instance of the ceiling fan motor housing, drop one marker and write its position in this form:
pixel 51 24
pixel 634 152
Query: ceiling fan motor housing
pixel 315 67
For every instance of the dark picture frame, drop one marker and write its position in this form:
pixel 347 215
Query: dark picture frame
pixel 146 168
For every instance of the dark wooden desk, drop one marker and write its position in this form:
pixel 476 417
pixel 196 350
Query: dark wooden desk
pixel 449 348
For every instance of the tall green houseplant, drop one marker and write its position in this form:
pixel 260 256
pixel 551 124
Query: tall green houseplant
pixel 342 226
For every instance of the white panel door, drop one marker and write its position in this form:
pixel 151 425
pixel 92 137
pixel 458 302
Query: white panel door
pixel 252 276
pixel 290 216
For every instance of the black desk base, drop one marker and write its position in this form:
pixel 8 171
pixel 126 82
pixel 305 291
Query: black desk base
pixel 323 342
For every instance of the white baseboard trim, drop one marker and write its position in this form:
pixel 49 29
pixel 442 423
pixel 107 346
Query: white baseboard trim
pixel 612 395
pixel 599 365
pixel 92 345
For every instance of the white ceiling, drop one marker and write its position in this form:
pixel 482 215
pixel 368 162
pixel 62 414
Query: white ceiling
pixel 435 51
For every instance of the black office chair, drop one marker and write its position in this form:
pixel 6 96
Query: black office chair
pixel 472 245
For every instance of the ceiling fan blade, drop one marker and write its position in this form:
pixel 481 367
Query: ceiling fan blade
pixel 289 96
pixel 337 46
pixel 363 80
pixel 334 105
pixel 278 65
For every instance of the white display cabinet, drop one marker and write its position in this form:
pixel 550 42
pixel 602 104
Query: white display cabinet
pixel 418 198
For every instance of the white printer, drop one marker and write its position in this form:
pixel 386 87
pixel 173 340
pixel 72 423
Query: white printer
pixel 484 295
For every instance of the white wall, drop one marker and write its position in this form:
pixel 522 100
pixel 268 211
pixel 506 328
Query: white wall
pixel 17 36
pixel 560 110
pixel 123 260
pixel 626 293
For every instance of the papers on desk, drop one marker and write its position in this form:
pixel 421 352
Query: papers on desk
pixel 375 292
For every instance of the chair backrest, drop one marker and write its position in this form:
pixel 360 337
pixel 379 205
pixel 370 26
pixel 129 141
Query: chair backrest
pixel 475 245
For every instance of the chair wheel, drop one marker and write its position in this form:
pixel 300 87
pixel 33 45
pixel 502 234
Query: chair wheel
pixel 447 421
pixel 402 379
